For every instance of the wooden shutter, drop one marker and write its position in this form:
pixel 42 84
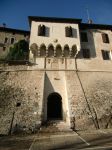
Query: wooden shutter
pixel 41 30
pixel 84 37
pixel 105 55
pixel 105 38
pixel 68 31
pixel 86 53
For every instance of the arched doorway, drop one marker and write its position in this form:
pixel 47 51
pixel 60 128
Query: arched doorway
pixel 54 107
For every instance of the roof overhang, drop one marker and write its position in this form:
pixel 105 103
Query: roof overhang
pixel 5 29
pixel 53 19
pixel 85 26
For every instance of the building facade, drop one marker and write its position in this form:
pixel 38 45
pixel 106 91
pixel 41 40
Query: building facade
pixel 8 37
pixel 68 81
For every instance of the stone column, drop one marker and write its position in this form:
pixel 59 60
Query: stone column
pixel 46 51
pixel 38 51
pixel 70 53
pixel 54 51
pixel 31 56
pixel 63 52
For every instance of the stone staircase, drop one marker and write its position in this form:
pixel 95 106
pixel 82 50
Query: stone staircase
pixel 53 126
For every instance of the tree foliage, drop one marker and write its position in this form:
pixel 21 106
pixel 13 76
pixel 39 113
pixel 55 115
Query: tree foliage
pixel 19 51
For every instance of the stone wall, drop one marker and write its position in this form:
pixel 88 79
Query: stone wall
pixel 98 90
pixel 86 98
pixel 90 99
pixel 80 114
pixel 21 96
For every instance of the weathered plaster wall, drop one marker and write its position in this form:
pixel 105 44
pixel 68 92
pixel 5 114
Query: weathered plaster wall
pixel 25 87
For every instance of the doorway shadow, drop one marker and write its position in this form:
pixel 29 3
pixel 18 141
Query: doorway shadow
pixel 54 107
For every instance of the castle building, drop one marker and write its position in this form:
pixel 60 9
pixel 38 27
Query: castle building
pixel 68 81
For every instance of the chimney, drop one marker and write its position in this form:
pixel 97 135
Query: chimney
pixel 90 21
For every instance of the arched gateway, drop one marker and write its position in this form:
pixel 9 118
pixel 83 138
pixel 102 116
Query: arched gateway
pixel 54 107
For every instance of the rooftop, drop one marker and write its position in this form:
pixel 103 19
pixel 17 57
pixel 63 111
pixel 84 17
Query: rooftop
pixel 95 26
pixel 54 19
pixel 14 30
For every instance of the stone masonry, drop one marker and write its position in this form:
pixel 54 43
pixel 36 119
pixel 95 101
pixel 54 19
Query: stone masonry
pixel 88 93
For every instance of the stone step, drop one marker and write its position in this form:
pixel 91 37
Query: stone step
pixel 55 126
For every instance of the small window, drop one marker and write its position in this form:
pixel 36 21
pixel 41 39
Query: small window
pixel 105 38
pixel 25 35
pixel 106 55
pixel 86 53
pixel 4 48
pixel 68 32
pixel 41 30
pixel 13 33
pixel 12 40
pixel 6 40
pixel 84 37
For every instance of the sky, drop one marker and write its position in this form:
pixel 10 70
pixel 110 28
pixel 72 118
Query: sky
pixel 15 12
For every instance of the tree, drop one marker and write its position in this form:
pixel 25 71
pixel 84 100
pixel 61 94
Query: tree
pixel 19 51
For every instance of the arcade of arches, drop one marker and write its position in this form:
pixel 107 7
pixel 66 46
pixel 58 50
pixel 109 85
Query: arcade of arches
pixel 52 51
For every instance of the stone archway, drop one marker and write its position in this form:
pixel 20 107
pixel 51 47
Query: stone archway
pixel 54 107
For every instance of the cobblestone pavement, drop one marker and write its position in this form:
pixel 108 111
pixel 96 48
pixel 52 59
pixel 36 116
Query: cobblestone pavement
pixel 90 140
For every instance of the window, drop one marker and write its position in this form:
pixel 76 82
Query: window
pixel 68 32
pixel 12 40
pixel 25 35
pixel 106 55
pixel 84 37
pixel 4 48
pixel 105 38
pixel 86 53
pixel 6 40
pixel 41 30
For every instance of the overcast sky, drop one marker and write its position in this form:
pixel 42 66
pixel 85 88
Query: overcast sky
pixel 15 12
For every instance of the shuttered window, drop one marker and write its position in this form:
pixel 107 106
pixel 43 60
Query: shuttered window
pixel 106 55
pixel 86 53
pixel 41 30
pixel 68 32
pixel 105 38
pixel 84 37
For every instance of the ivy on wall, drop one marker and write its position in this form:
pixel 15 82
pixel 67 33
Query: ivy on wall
pixel 19 51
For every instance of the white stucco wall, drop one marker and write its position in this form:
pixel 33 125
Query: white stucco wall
pixel 56 31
